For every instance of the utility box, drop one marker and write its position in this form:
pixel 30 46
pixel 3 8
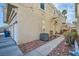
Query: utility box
pixel 44 36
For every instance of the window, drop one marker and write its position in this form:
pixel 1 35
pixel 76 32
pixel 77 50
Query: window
pixel 42 6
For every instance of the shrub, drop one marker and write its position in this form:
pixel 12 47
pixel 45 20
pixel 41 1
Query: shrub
pixel 70 37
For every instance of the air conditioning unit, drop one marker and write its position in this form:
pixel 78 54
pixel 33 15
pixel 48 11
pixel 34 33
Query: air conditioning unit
pixel 44 36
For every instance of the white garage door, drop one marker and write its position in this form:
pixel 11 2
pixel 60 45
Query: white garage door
pixel 15 33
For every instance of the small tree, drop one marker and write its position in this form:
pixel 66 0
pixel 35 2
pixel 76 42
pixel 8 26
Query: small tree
pixel 64 12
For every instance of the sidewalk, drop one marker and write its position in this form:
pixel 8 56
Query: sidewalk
pixel 9 48
pixel 46 48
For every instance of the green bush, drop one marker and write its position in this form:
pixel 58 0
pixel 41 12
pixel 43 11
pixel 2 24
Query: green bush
pixel 65 34
pixel 74 34
pixel 70 37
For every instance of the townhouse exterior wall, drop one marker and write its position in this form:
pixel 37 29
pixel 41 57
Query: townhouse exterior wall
pixel 31 20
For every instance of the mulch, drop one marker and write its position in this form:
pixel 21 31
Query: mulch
pixel 27 47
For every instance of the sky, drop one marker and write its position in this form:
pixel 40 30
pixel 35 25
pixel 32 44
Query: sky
pixel 70 7
pixel 1 15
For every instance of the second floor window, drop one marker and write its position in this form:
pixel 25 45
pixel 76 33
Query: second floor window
pixel 42 6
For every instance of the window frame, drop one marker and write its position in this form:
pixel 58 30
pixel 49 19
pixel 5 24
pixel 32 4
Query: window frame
pixel 44 7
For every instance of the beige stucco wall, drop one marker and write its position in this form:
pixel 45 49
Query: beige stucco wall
pixel 29 25
pixel 30 21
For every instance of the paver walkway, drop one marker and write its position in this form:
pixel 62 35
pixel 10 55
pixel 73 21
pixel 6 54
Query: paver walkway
pixel 46 48
pixel 8 47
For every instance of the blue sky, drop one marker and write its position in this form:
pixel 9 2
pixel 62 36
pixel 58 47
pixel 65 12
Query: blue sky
pixel 70 7
pixel 1 15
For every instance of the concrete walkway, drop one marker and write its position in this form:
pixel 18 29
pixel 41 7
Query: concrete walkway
pixel 8 47
pixel 46 48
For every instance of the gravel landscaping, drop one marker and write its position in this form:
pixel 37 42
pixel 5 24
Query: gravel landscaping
pixel 60 50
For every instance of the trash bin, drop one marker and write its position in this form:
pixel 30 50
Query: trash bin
pixel 44 36
pixel 7 33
